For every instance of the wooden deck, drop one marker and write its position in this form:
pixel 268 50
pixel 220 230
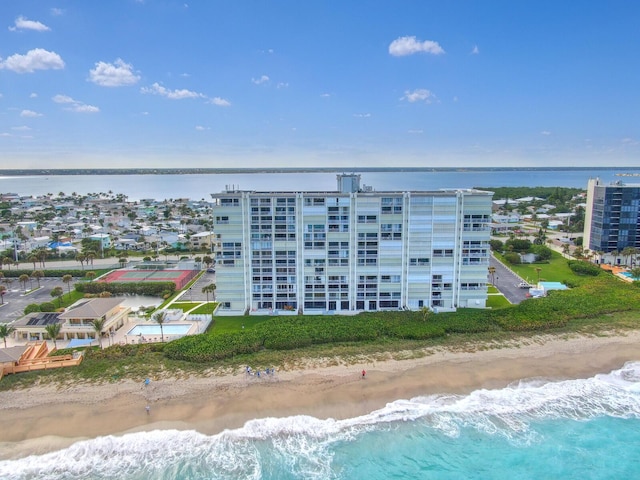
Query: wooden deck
pixel 37 357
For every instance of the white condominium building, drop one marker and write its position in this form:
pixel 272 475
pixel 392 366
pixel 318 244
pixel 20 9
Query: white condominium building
pixel 351 250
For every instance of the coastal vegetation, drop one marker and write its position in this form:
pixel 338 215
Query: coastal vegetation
pixel 598 306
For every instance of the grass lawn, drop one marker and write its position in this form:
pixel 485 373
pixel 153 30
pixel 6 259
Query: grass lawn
pixel 497 301
pixel 492 289
pixel 557 270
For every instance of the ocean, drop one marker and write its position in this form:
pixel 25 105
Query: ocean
pixel 201 186
pixel 534 429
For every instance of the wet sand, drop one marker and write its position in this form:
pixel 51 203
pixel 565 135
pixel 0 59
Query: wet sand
pixel 49 417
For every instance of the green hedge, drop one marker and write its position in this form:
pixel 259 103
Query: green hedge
pixel 47 273
pixel 155 289
pixel 584 268
pixel 601 295
pixel 290 332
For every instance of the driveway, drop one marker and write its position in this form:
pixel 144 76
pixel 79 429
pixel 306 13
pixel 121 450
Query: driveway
pixel 507 282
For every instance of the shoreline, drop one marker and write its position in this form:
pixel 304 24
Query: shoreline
pixel 46 418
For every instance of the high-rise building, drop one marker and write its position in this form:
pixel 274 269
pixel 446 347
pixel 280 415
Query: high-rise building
pixel 612 216
pixel 351 250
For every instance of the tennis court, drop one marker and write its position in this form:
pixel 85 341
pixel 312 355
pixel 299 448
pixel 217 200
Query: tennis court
pixel 179 277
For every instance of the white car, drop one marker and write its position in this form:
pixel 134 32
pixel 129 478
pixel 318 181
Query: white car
pixel 524 285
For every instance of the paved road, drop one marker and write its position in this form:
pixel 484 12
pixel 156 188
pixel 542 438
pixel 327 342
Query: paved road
pixel 507 282
pixel 194 293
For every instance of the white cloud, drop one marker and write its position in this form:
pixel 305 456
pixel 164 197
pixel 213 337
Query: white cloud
pixel 415 132
pixel 33 95
pixel 409 45
pixel 220 102
pixel 283 85
pixel 30 114
pixel 76 106
pixel 200 128
pixel 261 80
pixel 157 89
pixel 419 95
pixel 22 23
pixel 5 134
pixel 56 12
pixel 36 59
pixel 362 115
pixel 475 50
pixel 22 128
pixel 82 108
pixel 63 99
pixel 325 95
pixel 545 132
pixel 116 74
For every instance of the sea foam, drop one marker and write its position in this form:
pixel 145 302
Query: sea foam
pixel 304 447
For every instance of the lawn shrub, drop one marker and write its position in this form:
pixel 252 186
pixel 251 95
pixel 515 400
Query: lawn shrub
pixel 584 268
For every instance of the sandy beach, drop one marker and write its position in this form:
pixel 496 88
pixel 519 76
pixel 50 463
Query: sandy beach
pixel 49 417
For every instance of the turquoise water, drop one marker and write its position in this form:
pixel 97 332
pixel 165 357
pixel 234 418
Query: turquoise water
pixel 574 429
pixel 181 329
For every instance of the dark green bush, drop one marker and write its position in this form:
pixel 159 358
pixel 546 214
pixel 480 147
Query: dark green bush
pixel 155 289
pixel 31 308
pixel 580 267
pixel 47 307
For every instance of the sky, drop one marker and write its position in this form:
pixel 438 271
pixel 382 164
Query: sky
pixel 215 84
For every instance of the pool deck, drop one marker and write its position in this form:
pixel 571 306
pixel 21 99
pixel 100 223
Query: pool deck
pixel 618 272
pixel 156 337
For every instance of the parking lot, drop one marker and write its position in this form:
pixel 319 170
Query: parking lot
pixel 15 300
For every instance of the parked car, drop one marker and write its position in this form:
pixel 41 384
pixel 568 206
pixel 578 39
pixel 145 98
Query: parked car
pixel 524 285
pixel 211 270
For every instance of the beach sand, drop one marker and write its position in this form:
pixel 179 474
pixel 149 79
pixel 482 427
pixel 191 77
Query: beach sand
pixel 49 417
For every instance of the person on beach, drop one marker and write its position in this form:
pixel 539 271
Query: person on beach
pixel 148 409
pixel 363 374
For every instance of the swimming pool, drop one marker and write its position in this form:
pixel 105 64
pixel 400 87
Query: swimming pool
pixel 628 275
pixel 180 329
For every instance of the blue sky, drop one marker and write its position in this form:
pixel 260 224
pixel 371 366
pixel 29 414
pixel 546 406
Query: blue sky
pixel 164 83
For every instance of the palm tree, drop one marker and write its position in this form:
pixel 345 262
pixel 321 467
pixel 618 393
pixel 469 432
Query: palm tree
pixel 492 272
pixel 3 290
pixel 538 270
pixel 53 330
pixel 425 313
pixel 615 254
pixel 24 278
pixel 635 273
pixel 628 252
pixel 67 279
pixel 37 274
pixel 33 259
pixel 160 317
pixel 98 325
pixel 5 331
pixel 211 288
pixel 81 257
pixel 90 275
pixel 57 292
pixel 566 249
